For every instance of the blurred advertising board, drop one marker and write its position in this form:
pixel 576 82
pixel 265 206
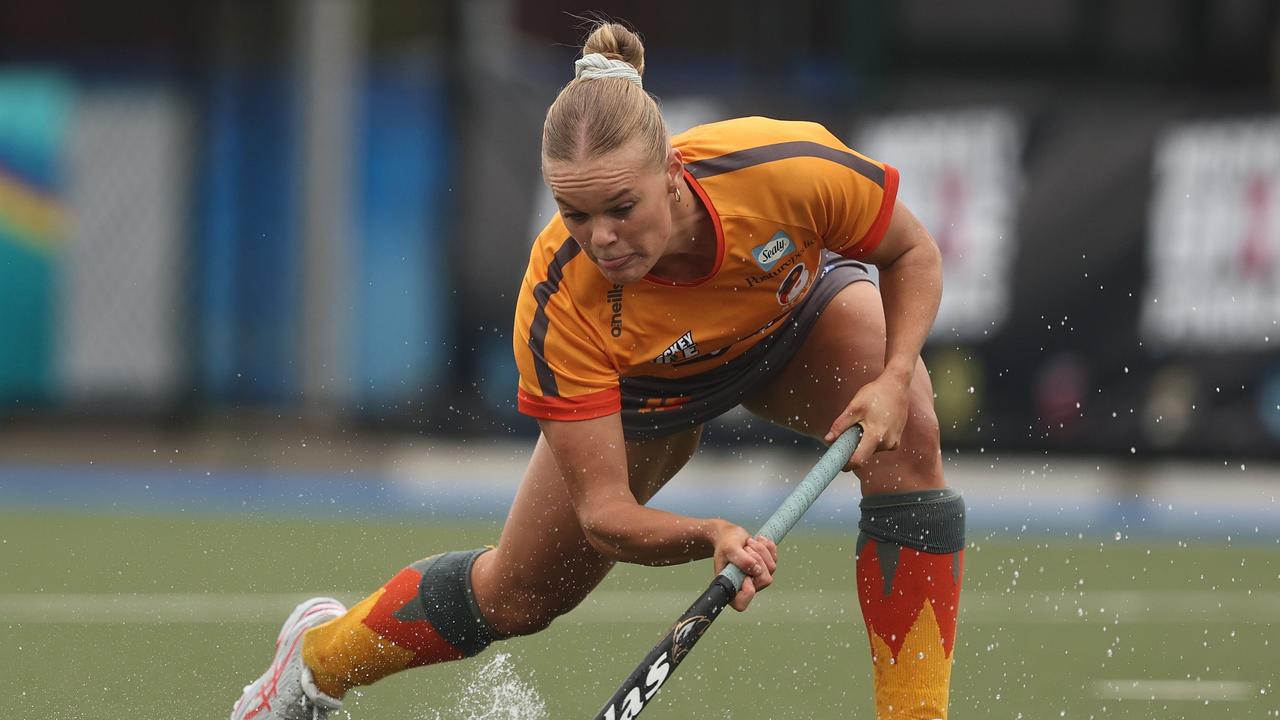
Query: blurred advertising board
pixel 961 175
pixel 35 110
pixel 1214 238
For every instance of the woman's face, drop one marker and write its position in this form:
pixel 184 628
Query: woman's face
pixel 617 207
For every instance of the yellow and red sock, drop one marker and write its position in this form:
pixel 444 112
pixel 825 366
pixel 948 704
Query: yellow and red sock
pixel 910 565
pixel 426 614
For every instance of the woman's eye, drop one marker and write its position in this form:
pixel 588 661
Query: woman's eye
pixel 574 216
pixel 624 210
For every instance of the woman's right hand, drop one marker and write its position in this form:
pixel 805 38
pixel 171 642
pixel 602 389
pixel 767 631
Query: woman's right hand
pixel 756 556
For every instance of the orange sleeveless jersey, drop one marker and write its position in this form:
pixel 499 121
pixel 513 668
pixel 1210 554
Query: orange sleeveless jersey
pixel 779 192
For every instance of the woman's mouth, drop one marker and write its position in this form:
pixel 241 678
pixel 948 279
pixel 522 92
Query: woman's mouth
pixel 614 263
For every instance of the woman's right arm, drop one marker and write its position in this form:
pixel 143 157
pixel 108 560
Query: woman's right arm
pixel 592 458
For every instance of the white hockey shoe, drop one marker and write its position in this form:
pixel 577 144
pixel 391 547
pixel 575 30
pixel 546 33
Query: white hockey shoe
pixel 286 691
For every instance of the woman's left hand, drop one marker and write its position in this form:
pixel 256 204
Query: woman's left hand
pixel 880 407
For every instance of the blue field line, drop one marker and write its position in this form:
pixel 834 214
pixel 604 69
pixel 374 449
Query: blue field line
pixel 274 493
pixel 265 493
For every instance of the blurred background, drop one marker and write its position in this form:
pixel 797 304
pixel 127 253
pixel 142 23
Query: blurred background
pixel 258 265
pixel 316 213
pixel 283 240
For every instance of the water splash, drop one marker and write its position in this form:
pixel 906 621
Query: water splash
pixel 497 692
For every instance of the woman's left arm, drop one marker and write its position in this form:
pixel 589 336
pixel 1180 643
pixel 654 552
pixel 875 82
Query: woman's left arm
pixel 910 267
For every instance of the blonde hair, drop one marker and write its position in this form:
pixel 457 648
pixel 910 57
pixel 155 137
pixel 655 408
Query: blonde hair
pixel 593 116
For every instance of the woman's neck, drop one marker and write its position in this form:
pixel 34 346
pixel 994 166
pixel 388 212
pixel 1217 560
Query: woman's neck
pixel 692 247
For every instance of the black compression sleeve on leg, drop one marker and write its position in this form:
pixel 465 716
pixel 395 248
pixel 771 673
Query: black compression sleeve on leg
pixel 930 521
pixel 447 601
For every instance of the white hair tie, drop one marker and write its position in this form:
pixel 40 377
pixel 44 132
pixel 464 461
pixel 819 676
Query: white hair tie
pixel 594 65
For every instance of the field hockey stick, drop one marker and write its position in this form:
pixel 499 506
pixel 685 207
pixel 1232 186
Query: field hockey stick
pixel 644 682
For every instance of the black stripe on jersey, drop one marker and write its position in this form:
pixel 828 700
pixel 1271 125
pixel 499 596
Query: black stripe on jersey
pixel 542 293
pixel 740 159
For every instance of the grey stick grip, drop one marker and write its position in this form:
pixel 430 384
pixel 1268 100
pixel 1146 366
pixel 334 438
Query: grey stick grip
pixel 800 499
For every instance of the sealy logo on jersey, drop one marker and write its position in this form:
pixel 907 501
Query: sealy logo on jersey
pixel 768 254
pixel 680 350
pixel 793 286
pixel 613 299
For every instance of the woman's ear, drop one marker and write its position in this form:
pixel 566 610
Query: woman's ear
pixel 675 167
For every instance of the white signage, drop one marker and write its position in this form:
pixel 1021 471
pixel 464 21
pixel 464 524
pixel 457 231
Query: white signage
pixel 961 175
pixel 1214 237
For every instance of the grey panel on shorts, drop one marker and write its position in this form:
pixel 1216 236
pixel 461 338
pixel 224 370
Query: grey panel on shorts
pixel 722 388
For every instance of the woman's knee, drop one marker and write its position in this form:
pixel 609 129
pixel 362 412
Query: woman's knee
pixel 925 437
pixel 916 464
pixel 921 440
pixel 525 613
pixel 515 599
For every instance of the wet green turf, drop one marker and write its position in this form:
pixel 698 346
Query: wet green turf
pixel 1037 638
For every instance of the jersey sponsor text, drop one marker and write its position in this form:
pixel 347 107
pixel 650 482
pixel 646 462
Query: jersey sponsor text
pixel 681 349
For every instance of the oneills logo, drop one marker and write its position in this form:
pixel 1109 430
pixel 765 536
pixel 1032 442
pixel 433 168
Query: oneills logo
pixel 680 350
pixel 614 300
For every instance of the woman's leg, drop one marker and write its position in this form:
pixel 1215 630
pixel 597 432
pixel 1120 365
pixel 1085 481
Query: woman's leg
pixel 543 565
pixel 911 539
pixel 454 605
pixel 843 352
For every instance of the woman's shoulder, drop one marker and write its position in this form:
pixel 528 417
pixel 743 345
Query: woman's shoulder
pixel 737 134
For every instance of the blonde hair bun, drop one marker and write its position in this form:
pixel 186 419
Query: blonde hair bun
pixel 590 119
pixel 616 42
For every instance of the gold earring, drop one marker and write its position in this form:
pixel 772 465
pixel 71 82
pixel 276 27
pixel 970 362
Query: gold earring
pixel 677 192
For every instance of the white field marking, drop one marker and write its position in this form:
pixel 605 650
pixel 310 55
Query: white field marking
pixel 619 606
pixel 1200 690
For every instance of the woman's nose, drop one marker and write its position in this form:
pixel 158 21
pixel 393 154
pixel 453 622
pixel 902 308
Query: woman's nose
pixel 602 235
